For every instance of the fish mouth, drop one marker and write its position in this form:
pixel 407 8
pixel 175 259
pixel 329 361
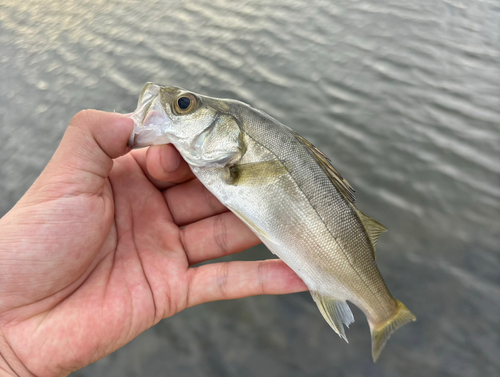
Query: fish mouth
pixel 150 119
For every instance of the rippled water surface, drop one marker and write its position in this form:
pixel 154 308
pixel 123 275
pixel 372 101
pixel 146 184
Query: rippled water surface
pixel 404 96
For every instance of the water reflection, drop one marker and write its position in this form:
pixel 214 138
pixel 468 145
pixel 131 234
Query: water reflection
pixel 402 95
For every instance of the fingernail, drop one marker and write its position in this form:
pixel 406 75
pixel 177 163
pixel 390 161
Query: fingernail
pixel 170 159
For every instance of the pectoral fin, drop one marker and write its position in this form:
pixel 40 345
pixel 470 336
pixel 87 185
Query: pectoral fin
pixel 336 312
pixel 255 173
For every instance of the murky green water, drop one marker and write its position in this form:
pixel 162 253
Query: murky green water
pixel 404 96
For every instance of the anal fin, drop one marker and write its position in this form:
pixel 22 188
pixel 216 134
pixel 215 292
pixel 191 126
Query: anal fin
pixel 336 312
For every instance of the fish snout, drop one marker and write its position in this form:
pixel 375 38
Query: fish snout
pixel 150 119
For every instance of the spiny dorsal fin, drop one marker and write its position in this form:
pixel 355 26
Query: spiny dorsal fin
pixel 373 228
pixel 340 183
pixel 336 312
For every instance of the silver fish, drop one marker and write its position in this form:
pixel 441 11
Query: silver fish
pixel 286 191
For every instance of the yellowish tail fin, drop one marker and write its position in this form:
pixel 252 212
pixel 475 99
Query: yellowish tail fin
pixel 381 332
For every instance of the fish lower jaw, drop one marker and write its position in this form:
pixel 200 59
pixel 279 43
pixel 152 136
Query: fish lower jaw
pixel 145 138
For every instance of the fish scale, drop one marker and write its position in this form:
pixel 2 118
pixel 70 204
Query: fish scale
pixel 312 181
pixel 287 192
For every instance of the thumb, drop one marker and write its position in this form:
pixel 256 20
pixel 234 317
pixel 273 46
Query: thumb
pixel 91 142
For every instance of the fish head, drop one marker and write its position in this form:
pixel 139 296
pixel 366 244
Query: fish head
pixel 169 114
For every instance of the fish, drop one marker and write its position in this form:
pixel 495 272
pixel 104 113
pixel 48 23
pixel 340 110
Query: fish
pixel 287 192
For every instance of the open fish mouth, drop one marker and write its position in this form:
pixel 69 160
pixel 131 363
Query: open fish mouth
pixel 150 119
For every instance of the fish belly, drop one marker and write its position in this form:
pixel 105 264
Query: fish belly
pixel 284 217
pixel 301 217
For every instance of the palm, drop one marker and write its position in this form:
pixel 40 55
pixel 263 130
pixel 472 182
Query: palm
pixel 114 259
pixel 135 275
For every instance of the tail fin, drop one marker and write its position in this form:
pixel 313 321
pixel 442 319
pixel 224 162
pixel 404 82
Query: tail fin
pixel 383 331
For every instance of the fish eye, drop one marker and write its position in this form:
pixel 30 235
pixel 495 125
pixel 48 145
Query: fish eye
pixel 185 104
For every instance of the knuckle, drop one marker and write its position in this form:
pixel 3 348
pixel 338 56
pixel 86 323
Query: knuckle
pixel 260 277
pixel 220 234
pixel 222 278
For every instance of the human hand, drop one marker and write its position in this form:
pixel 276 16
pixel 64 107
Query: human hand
pixel 99 250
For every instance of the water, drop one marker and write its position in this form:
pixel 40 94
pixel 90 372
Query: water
pixel 405 98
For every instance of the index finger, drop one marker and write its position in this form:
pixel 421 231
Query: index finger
pixel 163 165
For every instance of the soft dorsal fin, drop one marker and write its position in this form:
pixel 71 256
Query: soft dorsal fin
pixel 373 228
pixel 340 183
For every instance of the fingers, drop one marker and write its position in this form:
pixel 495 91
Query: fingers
pixel 93 139
pixel 163 160
pixel 86 151
pixel 163 165
pixel 191 201
pixel 216 237
pixel 139 156
pixel 232 280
